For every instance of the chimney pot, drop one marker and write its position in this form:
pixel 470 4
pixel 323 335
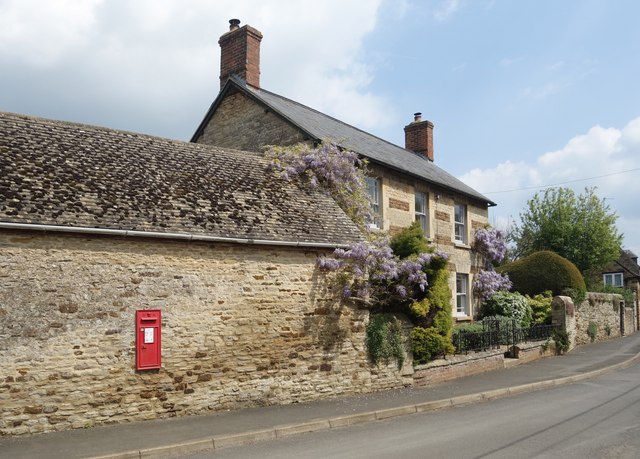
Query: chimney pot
pixel 417 117
pixel 234 24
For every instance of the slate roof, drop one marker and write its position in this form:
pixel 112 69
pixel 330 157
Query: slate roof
pixel 323 127
pixel 628 263
pixel 74 175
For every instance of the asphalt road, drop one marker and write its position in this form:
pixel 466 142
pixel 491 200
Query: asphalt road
pixel 599 418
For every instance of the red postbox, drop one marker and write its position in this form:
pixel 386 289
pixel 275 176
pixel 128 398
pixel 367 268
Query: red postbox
pixel 148 334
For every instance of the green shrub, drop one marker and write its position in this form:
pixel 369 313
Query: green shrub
pixel 409 241
pixel 561 340
pixel 508 304
pixel 540 308
pixel 428 344
pixel 543 271
pixel 439 295
pixel 473 327
pixel 384 339
pixel 592 330
pixel 626 293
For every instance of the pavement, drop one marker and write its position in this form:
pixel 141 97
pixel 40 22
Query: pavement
pixel 186 435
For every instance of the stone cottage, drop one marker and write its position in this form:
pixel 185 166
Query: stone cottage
pixel 625 272
pixel 96 224
pixel 405 184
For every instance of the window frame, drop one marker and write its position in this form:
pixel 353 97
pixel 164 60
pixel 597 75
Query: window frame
pixel 422 217
pixel 374 190
pixel 462 225
pixel 613 277
pixel 462 279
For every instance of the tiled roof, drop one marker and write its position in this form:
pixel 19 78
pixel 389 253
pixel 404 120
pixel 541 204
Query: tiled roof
pixel 73 175
pixel 626 263
pixel 323 127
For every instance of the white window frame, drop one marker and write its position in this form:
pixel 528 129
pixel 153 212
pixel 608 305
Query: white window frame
pixel 460 226
pixel 462 295
pixel 374 189
pixel 422 215
pixel 611 278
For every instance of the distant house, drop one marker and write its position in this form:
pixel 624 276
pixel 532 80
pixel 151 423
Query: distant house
pixel 405 183
pixel 623 272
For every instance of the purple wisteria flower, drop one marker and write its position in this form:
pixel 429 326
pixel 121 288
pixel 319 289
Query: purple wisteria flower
pixel 491 243
pixel 488 283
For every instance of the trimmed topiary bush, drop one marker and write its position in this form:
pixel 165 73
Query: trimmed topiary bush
pixel 542 271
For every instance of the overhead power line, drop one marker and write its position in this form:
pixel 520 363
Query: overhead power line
pixel 537 187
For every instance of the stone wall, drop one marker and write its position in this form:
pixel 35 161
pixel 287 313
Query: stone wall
pixel 242 124
pixel 603 309
pixel 398 211
pixel 242 326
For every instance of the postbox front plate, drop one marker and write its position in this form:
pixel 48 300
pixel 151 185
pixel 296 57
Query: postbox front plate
pixel 148 339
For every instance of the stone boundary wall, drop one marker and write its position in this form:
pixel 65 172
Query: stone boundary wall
pixel 459 366
pixel 603 309
pixel 242 326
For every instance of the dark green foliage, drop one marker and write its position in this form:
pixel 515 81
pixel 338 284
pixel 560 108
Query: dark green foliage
pixel 428 343
pixel 409 241
pixel 543 271
pixel 581 228
pixel 431 314
pixel 540 308
pixel 561 340
pixel 384 339
pixel 592 331
pixel 438 320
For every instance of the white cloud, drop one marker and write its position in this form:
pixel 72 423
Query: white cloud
pixel 159 59
pixel 40 32
pixel 446 9
pixel 609 158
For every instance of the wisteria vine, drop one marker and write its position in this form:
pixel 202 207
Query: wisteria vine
pixel 491 244
pixel 370 272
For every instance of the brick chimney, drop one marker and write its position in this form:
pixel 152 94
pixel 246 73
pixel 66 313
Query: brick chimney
pixel 418 136
pixel 240 54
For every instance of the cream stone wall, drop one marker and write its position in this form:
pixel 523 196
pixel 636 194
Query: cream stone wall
pixel 242 326
pixel 398 211
pixel 601 308
pixel 242 124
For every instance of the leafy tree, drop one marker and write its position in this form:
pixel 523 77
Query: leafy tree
pixel 581 228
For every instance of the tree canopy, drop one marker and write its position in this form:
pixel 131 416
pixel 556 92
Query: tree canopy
pixel 581 228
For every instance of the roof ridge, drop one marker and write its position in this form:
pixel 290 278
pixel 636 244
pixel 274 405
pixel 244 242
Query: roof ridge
pixel 334 119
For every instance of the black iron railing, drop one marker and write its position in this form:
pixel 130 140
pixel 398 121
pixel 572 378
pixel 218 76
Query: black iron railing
pixel 499 332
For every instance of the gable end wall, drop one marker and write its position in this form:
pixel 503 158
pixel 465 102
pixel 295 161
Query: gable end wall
pixel 243 124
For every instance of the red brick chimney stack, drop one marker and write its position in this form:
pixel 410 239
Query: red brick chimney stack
pixel 240 54
pixel 418 136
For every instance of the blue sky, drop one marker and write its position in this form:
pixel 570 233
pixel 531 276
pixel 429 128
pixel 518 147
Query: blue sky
pixel 523 94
